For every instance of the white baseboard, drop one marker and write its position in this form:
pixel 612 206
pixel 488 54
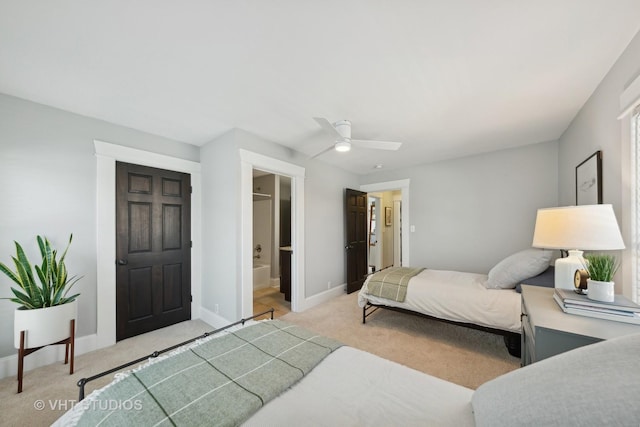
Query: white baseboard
pixel 212 318
pixel 55 354
pixel 325 296
pixel 45 356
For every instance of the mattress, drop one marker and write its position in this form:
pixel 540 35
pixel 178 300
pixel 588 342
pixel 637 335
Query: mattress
pixel 352 387
pixel 459 297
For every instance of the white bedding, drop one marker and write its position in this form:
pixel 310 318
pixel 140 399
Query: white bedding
pixel 459 297
pixel 351 387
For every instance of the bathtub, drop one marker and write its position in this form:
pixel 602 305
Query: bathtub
pixel 261 275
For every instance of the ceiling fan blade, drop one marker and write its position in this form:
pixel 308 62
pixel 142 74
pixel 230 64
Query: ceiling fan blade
pixel 327 126
pixel 322 152
pixel 376 145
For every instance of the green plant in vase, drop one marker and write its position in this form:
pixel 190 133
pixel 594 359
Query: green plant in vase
pixel 53 282
pixel 601 267
pixel 46 315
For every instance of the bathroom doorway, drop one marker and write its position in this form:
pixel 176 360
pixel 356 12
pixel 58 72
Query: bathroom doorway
pixel 271 242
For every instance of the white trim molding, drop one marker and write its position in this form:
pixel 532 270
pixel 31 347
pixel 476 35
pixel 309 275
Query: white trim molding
pixel 107 154
pixel 322 297
pixel 249 161
pixel 629 100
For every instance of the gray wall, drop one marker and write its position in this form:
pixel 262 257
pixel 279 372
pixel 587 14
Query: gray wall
pixel 324 227
pixel 48 170
pixel 324 241
pixel 596 127
pixel 469 213
pixel 48 176
pixel 220 226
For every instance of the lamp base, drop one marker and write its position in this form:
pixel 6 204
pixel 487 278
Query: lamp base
pixel 566 269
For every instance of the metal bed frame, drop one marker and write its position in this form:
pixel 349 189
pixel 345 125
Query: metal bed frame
pixel 512 340
pixel 83 381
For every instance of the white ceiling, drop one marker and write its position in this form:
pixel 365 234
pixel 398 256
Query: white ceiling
pixel 447 78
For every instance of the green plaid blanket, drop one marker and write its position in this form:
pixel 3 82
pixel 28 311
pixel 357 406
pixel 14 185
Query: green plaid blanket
pixel 391 283
pixel 221 381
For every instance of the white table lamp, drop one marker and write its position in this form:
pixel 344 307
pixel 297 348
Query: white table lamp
pixel 576 228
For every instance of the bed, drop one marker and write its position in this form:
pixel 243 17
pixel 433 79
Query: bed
pixel 485 301
pixel 352 387
pixel 357 387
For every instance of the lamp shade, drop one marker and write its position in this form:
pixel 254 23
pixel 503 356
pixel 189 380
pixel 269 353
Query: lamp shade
pixel 588 227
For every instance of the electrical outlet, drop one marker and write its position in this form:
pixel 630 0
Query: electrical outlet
pixel 329 284
pixel 215 308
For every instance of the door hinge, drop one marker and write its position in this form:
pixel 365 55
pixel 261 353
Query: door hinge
pixel 191 243
pixel 191 297
pixel 190 189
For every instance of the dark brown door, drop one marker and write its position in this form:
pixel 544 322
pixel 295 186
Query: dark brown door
pixel 356 238
pixel 153 249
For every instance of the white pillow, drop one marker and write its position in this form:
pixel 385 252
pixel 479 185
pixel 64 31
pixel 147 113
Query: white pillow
pixel 515 268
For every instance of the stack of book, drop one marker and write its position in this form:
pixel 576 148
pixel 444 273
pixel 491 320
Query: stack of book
pixel 621 309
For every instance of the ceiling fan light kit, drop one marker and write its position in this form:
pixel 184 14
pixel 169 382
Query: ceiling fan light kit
pixel 342 146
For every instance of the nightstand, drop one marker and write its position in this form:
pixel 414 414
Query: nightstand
pixel 547 330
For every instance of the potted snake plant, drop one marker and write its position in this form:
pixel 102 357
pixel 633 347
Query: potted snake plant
pixel 601 269
pixel 45 308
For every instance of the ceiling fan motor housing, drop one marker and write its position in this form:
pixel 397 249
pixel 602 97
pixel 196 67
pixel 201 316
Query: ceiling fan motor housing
pixel 344 128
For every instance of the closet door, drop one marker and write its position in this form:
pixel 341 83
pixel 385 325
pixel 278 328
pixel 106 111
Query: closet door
pixel 153 249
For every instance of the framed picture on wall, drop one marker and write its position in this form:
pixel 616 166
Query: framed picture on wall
pixel 589 180
pixel 387 216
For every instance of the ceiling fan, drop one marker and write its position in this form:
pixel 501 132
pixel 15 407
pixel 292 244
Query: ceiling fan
pixel 341 131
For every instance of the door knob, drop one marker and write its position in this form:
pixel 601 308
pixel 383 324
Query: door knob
pixel 347 247
pixel 122 262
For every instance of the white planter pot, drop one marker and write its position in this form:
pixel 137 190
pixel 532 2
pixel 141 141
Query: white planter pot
pixel 44 326
pixel 601 291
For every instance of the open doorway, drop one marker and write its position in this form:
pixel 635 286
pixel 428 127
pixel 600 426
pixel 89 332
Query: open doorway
pixel 271 242
pixel 399 219
pixel 249 161
pixel 385 229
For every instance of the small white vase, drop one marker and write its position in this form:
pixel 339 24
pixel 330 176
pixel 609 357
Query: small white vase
pixel 44 326
pixel 601 291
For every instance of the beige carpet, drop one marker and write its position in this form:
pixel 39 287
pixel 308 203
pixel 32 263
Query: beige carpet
pixel 461 355
pixel 458 354
pixel 47 390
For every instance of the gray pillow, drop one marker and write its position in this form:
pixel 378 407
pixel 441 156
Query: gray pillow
pixel 595 385
pixel 513 269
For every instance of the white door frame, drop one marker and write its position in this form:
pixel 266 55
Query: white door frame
pixel 397 232
pixel 107 154
pixel 249 161
pixel 403 186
